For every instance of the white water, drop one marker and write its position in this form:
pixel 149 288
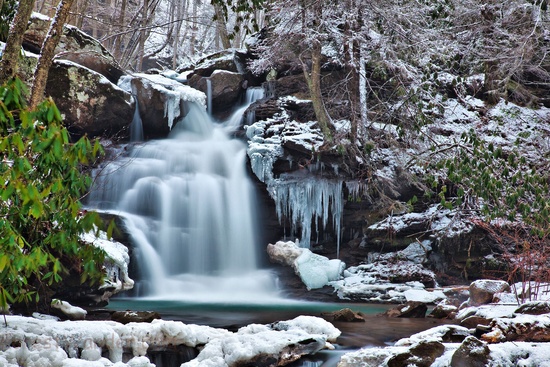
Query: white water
pixel 136 128
pixel 190 209
pixel 252 95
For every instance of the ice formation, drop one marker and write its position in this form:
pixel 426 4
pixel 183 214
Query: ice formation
pixel 308 201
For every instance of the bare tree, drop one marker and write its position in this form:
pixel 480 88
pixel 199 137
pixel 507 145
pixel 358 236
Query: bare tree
pixel 12 50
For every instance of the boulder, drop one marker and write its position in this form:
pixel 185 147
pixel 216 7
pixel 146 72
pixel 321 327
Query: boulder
pixel 346 315
pixel 444 310
pixel 472 322
pixel 228 60
pixel 422 354
pixel 408 310
pixel 88 102
pixel 161 101
pixel 483 290
pixel 534 308
pixel 75 46
pixel 226 88
pixel 471 353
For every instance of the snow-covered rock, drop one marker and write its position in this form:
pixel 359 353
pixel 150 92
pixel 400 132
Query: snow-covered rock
pixel 314 270
pixel 72 312
pixel 32 342
pixel 161 101
pixel 116 265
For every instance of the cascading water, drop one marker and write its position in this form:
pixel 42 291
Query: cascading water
pixel 136 127
pixel 189 208
pixel 252 95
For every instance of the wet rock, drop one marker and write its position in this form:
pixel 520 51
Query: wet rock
pixel 471 353
pixel 226 88
pixel 89 104
pixel 422 354
pixel 443 311
pixel 472 322
pixel 408 310
pixel 346 315
pixel 125 317
pixel 534 308
pixel 483 290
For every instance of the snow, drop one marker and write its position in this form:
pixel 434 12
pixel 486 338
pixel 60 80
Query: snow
pixel 173 91
pixel 116 262
pixel 316 271
pixel 422 295
pixel 74 313
pixel 32 342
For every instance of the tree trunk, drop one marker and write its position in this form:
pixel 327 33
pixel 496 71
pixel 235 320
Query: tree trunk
pixel 47 52
pixel 193 29
pixel 221 28
pixel 314 84
pixel 142 35
pixel 118 40
pixel 10 55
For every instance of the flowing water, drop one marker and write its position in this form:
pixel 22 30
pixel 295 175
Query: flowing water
pixel 190 209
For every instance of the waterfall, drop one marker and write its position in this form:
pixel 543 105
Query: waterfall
pixel 190 209
pixel 136 127
pixel 252 95
pixel 209 96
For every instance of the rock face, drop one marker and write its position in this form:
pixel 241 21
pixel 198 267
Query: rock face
pixel 88 102
pixel 422 354
pixel 226 88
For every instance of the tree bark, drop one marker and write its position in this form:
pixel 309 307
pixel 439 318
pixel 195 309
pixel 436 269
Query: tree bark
pixel 221 28
pixel 313 79
pixel 118 40
pixel 47 52
pixel 142 36
pixel 10 55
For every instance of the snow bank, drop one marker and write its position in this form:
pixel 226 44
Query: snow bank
pixel 33 342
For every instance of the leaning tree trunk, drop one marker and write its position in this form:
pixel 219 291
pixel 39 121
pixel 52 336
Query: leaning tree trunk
pixel 10 55
pixel 47 52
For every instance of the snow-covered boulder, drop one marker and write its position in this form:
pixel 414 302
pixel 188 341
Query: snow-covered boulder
pixel 482 291
pixel 72 312
pixel 314 270
pixel 74 45
pixel 161 101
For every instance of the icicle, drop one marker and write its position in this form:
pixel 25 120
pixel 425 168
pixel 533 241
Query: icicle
pixel 305 202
